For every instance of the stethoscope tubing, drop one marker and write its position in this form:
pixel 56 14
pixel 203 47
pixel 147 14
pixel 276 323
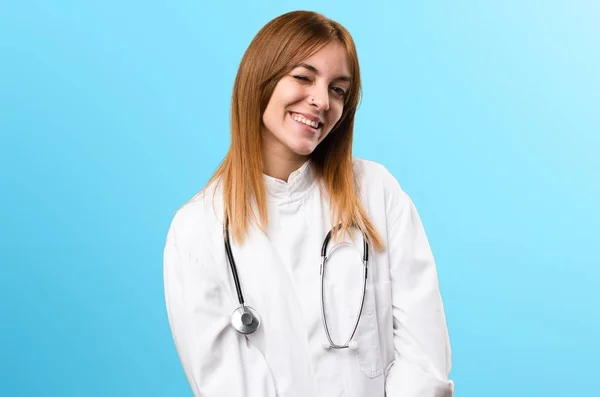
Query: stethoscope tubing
pixel 332 344
pixel 247 310
pixel 231 261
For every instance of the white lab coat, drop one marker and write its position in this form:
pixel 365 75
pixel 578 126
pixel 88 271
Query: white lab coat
pixel 403 345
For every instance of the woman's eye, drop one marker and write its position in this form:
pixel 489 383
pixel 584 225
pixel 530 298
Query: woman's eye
pixel 340 91
pixel 302 78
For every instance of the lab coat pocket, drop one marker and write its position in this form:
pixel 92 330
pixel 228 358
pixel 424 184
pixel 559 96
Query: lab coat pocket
pixel 367 337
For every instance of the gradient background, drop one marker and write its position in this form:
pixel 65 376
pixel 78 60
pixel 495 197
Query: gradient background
pixel 114 113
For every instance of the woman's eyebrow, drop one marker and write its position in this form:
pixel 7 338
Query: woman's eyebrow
pixel 316 71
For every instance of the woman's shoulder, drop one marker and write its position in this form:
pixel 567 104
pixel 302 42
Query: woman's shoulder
pixel 197 217
pixel 374 180
pixel 371 173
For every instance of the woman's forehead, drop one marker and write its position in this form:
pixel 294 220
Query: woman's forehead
pixel 331 60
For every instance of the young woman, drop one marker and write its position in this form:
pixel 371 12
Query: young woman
pixel 259 303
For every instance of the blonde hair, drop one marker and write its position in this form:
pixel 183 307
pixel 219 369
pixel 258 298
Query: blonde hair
pixel 282 43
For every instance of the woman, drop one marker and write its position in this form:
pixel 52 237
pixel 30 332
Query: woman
pixel 287 180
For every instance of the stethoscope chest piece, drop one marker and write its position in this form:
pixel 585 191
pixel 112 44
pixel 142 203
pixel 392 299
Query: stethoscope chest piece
pixel 245 319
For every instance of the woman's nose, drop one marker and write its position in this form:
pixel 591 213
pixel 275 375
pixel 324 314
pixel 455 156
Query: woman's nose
pixel 320 97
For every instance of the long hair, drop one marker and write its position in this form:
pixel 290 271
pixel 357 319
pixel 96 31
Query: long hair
pixel 280 45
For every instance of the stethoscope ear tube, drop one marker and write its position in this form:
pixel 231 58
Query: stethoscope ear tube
pixel 328 237
pixel 353 345
pixel 349 342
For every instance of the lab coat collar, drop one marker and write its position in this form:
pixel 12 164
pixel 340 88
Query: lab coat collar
pixel 299 183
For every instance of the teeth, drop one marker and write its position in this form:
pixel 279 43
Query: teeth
pixel 304 120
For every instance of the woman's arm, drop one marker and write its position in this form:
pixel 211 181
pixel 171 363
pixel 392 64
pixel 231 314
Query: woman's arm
pixel 216 359
pixel 422 346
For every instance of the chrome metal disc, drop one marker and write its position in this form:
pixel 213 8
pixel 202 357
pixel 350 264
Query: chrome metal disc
pixel 245 320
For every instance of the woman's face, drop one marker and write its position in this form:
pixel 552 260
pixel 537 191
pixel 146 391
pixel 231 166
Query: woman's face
pixel 306 104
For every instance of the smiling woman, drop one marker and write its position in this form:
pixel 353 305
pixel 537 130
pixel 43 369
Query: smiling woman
pixel 304 107
pixel 287 186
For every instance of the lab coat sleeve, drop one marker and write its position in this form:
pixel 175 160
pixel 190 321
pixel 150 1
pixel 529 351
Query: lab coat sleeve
pixel 422 359
pixel 216 359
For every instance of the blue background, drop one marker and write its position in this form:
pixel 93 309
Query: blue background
pixel 113 114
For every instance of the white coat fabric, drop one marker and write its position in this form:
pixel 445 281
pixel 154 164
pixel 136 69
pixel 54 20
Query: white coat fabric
pixel 403 349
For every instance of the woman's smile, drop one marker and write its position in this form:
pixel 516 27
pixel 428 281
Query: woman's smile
pixel 306 124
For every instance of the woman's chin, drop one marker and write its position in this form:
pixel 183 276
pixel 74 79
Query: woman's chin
pixel 304 150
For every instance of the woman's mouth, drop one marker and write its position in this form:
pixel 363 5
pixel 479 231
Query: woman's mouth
pixel 303 120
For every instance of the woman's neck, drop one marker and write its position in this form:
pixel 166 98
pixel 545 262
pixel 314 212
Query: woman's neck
pixel 281 167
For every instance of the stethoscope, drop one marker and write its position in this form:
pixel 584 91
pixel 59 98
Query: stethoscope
pixel 246 319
